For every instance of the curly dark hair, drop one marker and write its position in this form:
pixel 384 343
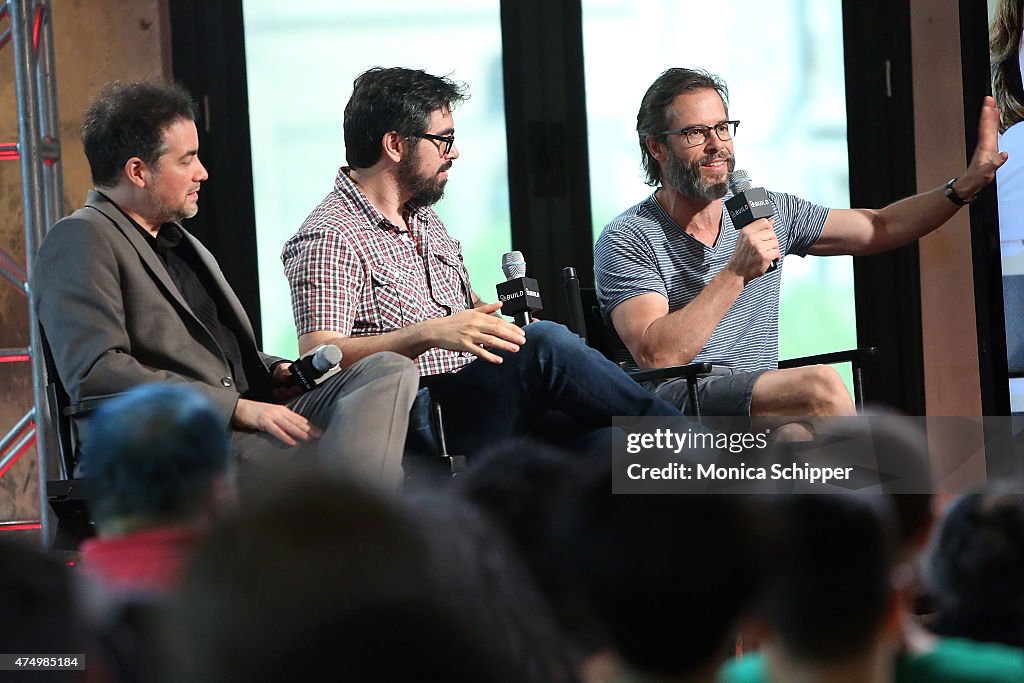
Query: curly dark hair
pixel 128 120
pixel 1004 47
pixel 656 109
pixel 393 99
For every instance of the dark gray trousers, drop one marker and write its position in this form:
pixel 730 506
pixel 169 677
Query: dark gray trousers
pixel 363 412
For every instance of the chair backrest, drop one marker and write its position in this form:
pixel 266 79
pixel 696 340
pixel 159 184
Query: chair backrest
pixel 585 312
pixel 66 494
pixel 57 401
pixel 600 336
pixel 595 332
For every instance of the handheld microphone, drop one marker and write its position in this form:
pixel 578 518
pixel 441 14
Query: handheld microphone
pixel 315 366
pixel 748 204
pixel 519 295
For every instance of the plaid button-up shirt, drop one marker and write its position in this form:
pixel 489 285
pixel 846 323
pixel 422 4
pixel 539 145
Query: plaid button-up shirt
pixel 354 272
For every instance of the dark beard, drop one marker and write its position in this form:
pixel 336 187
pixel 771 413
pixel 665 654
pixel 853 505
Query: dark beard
pixel 686 178
pixel 423 190
pixel 164 213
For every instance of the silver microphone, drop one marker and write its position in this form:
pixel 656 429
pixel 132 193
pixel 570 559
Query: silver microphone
pixel 513 264
pixel 739 181
pixel 325 357
pixel 313 367
pixel 519 295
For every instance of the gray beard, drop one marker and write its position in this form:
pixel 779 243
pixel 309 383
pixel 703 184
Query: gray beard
pixel 686 178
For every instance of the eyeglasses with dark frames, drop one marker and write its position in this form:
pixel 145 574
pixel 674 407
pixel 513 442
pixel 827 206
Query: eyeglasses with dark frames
pixel 698 135
pixel 448 140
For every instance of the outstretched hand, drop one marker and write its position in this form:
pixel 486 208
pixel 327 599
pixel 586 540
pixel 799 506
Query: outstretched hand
pixel 987 158
pixel 476 328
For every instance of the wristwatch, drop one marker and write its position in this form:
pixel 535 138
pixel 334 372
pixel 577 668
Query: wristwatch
pixel 952 196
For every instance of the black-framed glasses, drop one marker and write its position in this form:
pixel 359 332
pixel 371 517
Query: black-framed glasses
pixel 698 135
pixel 448 140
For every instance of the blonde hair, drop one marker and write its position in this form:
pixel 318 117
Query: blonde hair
pixel 1004 35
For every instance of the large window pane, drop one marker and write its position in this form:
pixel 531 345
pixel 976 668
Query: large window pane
pixel 302 59
pixel 783 62
pixel 1010 183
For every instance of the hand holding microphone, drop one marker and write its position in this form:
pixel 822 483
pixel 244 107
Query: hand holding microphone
pixel 748 205
pixel 315 366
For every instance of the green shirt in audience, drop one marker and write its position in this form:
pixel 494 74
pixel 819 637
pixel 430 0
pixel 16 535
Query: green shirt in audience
pixel 954 660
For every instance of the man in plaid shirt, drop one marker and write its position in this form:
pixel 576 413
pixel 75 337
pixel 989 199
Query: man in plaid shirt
pixel 373 269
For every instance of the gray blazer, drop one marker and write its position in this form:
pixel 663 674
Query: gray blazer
pixel 114 318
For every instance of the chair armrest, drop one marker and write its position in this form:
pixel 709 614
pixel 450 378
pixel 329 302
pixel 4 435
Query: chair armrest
pixel 670 372
pixel 87 405
pixel 855 356
pixel 431 381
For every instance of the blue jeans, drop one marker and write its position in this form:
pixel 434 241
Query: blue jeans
pixel 485 403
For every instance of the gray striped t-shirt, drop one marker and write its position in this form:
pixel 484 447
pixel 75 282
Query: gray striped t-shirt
pixel 643 250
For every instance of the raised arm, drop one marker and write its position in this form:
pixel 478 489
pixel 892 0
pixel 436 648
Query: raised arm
pixel 869 231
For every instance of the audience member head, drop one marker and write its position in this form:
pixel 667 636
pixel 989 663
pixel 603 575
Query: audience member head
pixel 159 454
pixel 655 113
pixel 669 575
pixel 902 447
pixel 914 515
pixel 488 585
pixel 975 565
pixel 393 99
pixel 324 578
pixel 521 485
pixel 830 601
pixel 128 120
pixel 1004 54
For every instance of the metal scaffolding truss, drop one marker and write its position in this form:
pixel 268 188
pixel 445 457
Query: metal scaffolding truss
pixel 30 34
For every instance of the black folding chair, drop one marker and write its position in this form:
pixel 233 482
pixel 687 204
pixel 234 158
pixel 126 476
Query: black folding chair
pixel 586 321
pixel 66 493
pixel 442 464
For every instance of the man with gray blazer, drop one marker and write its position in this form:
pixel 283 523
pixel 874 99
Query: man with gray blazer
pixel 126 296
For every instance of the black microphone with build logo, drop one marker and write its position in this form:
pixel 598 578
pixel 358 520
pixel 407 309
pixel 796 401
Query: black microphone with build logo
pixel 519 295
pixel 748 204
pixel 316 366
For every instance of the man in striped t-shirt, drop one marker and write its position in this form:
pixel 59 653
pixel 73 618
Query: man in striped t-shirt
pixel 679 284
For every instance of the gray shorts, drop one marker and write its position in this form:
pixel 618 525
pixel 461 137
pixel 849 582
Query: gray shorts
pixel 724 392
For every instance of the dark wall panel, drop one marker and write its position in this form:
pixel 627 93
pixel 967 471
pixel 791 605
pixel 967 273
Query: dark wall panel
pixel 880 110
pixel 207 39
